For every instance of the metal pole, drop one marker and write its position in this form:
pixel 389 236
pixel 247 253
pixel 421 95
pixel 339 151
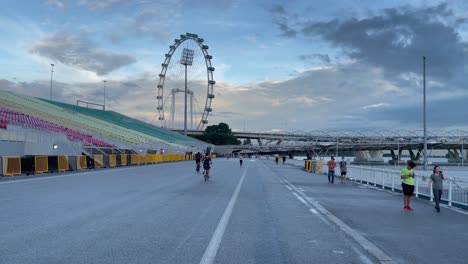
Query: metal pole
pixel 185 106
pixel 424 103
pixel 462 154
pixel 51 77
pixel 336 155
pixel 104 94
pixel 398 161
pixel 191 110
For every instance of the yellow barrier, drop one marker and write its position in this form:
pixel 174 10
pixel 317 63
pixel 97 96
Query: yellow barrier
pixel 62 163
pixel 319 167
pixel 308 166
pixel 112 161
pixel 81 162
pixel 135 159
pixel 159 158
pixel 152 158
pixel 11 166
pixel 123 160
pixel 41 164
pixel 98 161
pixel 142 159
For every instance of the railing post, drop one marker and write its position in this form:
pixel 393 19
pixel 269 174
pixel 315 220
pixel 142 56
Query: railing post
pixel 375 178
pixel 383 179
pixel 360 173
pixel 367 177
pixel 416 186
pixel 450 193
pixel 431 194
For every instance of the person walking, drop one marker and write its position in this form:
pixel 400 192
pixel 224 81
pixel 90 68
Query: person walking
pixel 436 180
pixel 276 160
pixel 284 159
pixel 331 170
pixel 407 176
pixel 240 160
pixel 343 169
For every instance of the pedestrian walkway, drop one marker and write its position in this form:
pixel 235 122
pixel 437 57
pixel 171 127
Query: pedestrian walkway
pixel 421 236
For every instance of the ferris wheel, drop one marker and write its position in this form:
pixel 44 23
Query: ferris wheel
pixel 186 75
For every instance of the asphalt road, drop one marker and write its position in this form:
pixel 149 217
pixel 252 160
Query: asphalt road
pixel 260 213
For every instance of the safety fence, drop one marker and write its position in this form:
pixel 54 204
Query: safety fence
pixel 15 165
pixel 455 191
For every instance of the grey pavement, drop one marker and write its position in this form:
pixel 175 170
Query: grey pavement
pixel 421 236
pixel 166 213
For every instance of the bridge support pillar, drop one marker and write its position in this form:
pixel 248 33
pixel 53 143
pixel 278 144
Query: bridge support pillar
pixel 454 155
pixel 369 157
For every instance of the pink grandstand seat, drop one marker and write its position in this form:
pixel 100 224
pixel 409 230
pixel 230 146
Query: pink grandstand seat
pixel 11 117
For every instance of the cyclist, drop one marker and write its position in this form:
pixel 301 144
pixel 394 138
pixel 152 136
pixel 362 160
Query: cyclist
pixel 206 165
pixel 198 160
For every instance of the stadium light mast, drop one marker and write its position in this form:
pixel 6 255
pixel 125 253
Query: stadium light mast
pixel 51 77
pixel 186 60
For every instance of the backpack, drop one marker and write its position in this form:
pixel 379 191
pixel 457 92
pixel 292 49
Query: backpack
pixel 206 161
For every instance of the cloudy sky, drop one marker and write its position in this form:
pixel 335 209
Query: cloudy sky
pixel 280 65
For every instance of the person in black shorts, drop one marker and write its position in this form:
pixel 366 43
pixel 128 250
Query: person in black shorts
pixel 207 165
pixel 407 185
pixel 198 161
pixel 343 169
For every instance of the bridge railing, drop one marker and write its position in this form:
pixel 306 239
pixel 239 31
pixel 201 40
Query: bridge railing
pixel 455 191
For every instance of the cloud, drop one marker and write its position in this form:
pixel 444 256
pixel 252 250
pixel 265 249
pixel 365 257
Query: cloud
pixel 441 114
pixel 321 57
pixel 374 105
pixel 100 5
pixel 397 38
pixel 282 19
pixel 149 23
pixel 77 52
pixel 56 3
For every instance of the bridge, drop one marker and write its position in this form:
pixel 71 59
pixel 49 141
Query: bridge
pixel 366 145
pixel 258 213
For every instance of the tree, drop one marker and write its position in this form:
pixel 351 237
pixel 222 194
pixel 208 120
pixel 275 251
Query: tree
pixel 247 142
pixel 219 135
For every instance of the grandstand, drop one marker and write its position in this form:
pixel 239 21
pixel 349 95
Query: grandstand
pixel 36 127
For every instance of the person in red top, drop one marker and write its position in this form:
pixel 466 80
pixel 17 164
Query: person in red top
pixel 331 170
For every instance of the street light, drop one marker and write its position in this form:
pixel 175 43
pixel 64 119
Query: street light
pixel 104 94
pixel 51 76
pixel 424 114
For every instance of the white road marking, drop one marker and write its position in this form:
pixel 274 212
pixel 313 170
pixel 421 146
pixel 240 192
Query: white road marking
pixel 312 210
pixel 212 249
pixel 366 244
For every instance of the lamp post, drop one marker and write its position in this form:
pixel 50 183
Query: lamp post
pixel 104 94
pixel 51 77
pixel 424 114
pixel 186 60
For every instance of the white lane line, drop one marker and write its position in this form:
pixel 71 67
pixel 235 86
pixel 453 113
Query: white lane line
pixel 212 249
pixel 300 199
pixel 366 244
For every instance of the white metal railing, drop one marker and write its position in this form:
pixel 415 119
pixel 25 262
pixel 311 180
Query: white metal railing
pixel 455 189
